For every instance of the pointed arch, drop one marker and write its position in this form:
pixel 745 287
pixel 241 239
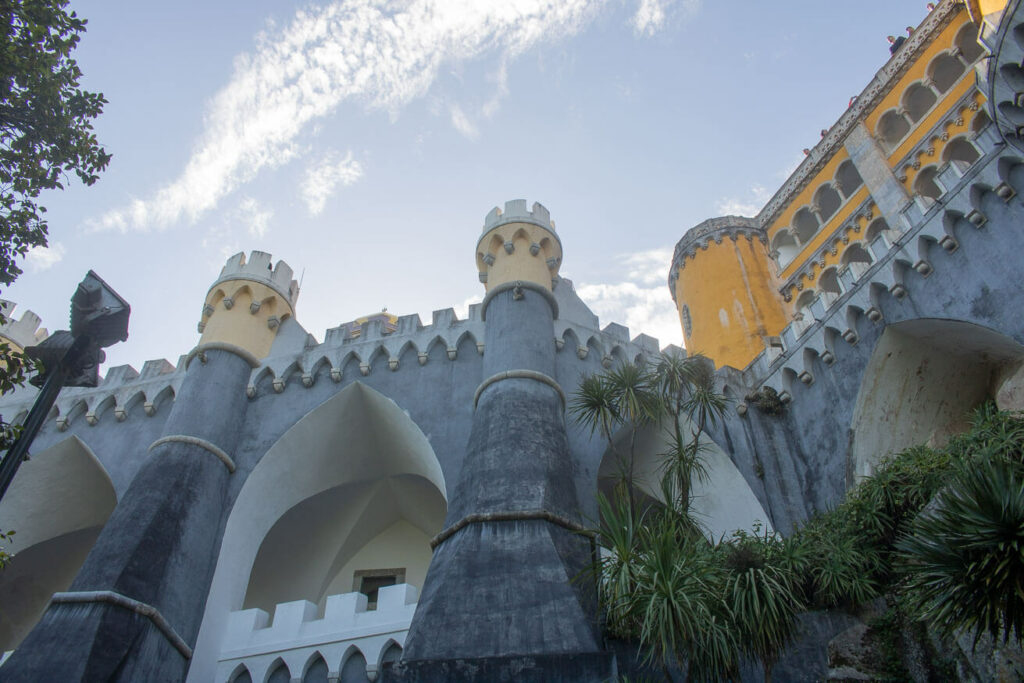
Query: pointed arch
pixel 278 672
pixel 315 669
pixel 52 539
pixel 241 674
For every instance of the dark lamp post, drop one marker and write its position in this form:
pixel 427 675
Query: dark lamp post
pixel 99 318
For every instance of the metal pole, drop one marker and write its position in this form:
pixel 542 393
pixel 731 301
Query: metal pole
pixel 40 409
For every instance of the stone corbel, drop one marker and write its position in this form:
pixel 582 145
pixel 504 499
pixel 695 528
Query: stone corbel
pixel 91 418
pixel 364 369
pixel 422 357
pixel 229 303
pixel 201 326
pixel 307 380
pixel 510 247
pixel 452 352
pixel 850 337
pixel 534 249
pixel 149 409
pixel 806 377
pixel 335 375
pixel 976 218
pixel 250 391
pixel 898 290
pixel 207 310
pixel 254 307
pixel 489 259
pixel 923 267
pixel 582 351
pixel 606 362
pixel 392 364
pixel 273 322
pixel 278 385
pixel 120 414
pixel 480 348
pixel 62 423
pixel 559 343
pixel 827 357
pixel 873 314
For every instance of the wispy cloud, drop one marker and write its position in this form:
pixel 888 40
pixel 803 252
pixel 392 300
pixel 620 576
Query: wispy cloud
pixel 254 216
pixel 748 205
pixel 651 15
pixel 642 301
pixel 325 176
pixel 462 123
pixel 39 259
pixel 378 53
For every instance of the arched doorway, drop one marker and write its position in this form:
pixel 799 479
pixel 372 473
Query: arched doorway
pixel 57 506
pixel 924 378
pixel 352 490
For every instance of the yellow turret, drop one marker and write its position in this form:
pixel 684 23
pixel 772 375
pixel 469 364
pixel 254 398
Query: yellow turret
pixel 723 283
pixel 247 304
pixel 518 245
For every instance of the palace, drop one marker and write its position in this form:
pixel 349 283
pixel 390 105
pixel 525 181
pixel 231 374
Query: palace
pixel 403 501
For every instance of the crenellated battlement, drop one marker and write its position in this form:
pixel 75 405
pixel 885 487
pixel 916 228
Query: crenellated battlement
pixel 259 268
pixel 296 635
pixel 516 212
pixel 23 331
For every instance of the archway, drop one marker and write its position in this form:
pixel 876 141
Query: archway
pixel 353 479
pixel 722 504
pixel 57 506
pixel 924 378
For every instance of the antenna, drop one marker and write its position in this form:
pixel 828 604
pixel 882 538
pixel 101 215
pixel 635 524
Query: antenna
pixel 302 277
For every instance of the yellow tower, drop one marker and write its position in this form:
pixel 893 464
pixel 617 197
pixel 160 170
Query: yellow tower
pixel 518 245
pixel 723 283
pixel 247 304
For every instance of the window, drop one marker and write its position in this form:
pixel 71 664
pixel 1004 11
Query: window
pixel 370 581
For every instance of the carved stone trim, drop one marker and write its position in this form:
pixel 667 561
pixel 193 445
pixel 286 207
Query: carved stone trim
pixel 141 608
pixel 519 374
pixel 508 516
pixel 201 443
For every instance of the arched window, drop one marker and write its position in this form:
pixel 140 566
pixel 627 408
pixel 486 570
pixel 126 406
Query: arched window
pixel 785 247
pixel 280 674
pixel 831 288
pixel 827 200
pixel 857 259
pixel 980 122
pixel 967 42
pixel 960 153
pixel 945 70
pixel 684 315
pixel 925 184
pixel 803 317
pixel 878 228
pixel 848 179
pixel 917 100
pixel 805 224
pixel 892 128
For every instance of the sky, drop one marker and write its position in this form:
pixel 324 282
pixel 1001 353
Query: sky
pixel 364 141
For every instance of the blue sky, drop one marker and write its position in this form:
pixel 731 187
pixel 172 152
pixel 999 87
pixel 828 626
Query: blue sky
pixel 364 141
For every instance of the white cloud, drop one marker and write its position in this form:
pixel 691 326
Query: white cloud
pixel 254 216
pixel 325 176
pixel 642 302
pixel 39 259
pixel 379 53
pixel 462 123
pixel 750 205
pixel 651 15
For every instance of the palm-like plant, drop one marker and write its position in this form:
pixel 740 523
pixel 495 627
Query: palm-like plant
pixel 964 559
pixel 678 604
pixel 762 594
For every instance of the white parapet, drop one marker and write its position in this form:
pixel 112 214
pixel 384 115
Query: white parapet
pixel 296 635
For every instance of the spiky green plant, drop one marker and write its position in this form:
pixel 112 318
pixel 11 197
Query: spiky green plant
pixel 964 560
pixel 762 593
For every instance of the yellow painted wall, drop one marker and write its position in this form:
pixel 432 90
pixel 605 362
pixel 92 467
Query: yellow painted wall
pixel 238 325
pixel 804 197
pixel 731 293
pixel 520 264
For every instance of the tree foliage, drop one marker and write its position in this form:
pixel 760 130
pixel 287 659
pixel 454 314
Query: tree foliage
pixel 46 134
pixel 45 121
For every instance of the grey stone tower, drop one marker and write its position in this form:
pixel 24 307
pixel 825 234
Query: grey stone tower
pixel 503 594
pixel 134 610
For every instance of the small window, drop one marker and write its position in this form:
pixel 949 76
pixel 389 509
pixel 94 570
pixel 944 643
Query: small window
pixel 370 581
pixel 687 320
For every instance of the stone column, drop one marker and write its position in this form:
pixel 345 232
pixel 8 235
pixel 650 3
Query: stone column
pixel 134 610
pixel 503 586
